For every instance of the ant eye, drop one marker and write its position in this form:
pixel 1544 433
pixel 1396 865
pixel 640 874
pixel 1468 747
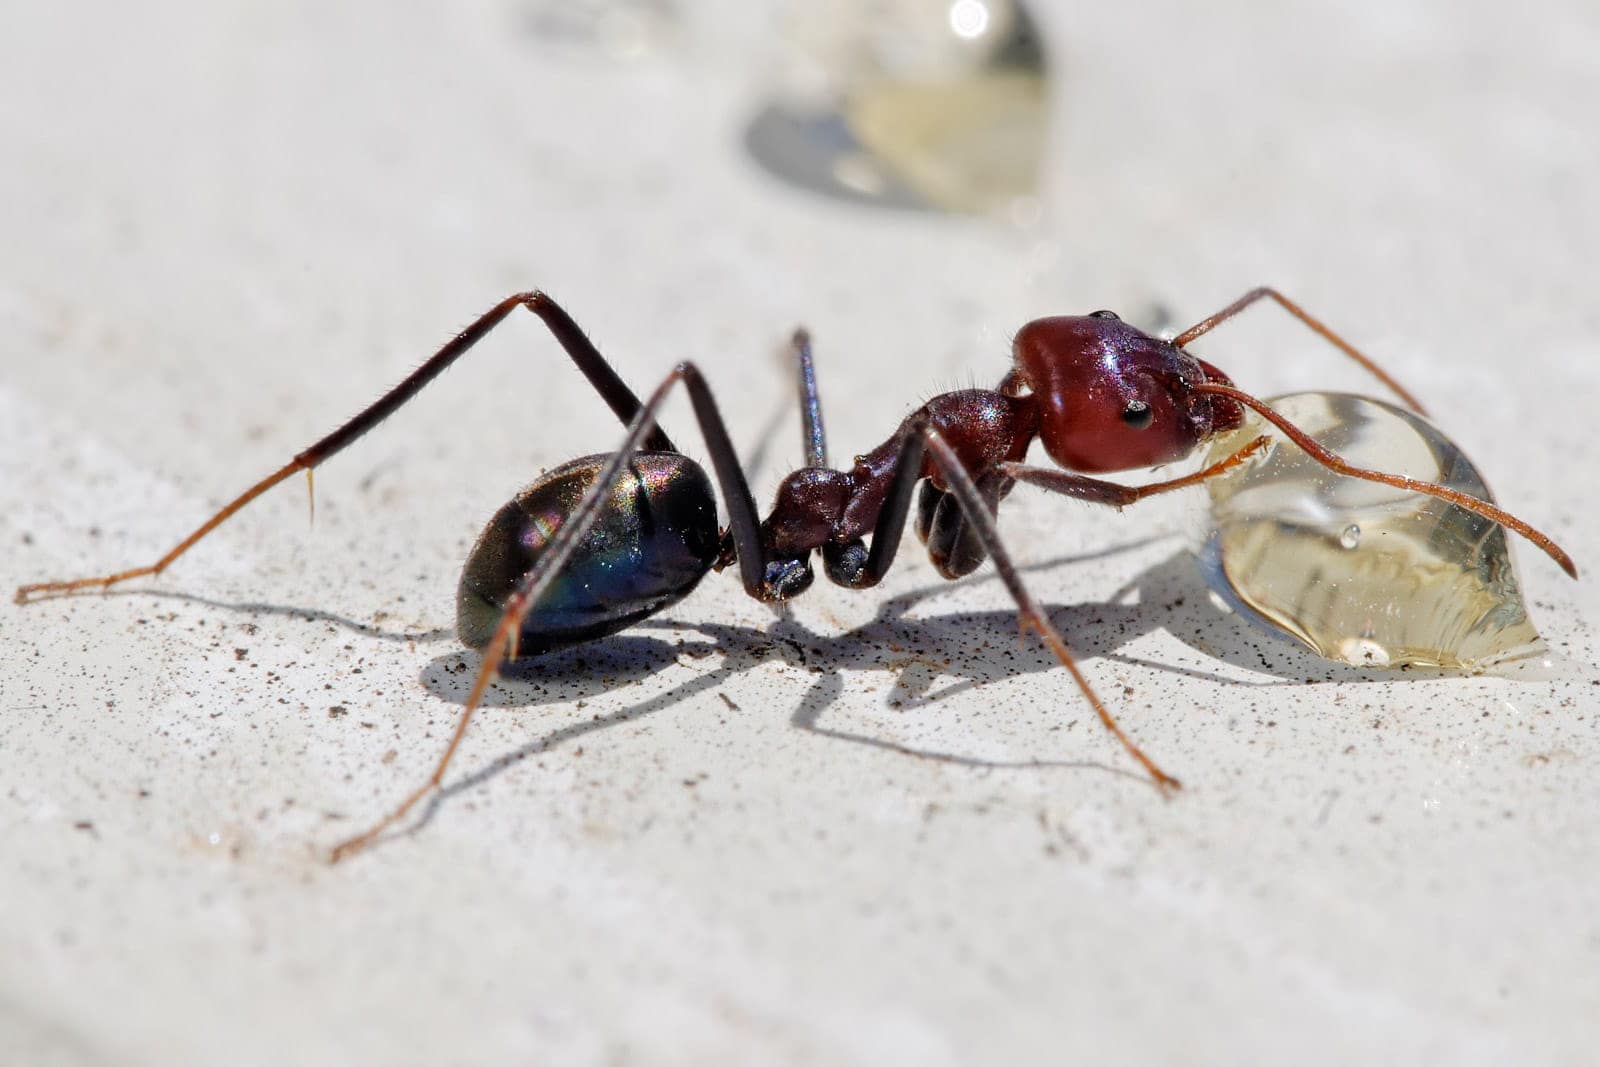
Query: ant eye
pixel 1105 315
pixel 1137 414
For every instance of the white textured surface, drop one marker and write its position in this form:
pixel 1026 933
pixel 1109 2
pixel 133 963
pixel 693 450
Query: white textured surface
pixel 227 226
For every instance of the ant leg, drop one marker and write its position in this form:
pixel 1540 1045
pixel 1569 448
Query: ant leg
pixel 1115 494
pixel 1205 326
pixel 816 437
pixel 941 524
pixel 588 359
pixel 953 545
pixel 1334 462
pixel 922 440
pixel 746 535
pixel 891 524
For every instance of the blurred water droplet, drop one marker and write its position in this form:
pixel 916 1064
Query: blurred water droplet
pixel 920 104
pixel 1350 537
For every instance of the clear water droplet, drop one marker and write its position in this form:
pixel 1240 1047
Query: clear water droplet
pixel 1363 573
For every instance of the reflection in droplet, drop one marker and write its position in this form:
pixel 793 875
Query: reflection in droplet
pixel 1365 573
pixel 1363 651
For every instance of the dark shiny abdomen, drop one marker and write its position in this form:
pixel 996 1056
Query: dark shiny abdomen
pixel 656 536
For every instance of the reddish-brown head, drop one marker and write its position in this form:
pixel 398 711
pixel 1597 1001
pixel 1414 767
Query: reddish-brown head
pixel 1114 398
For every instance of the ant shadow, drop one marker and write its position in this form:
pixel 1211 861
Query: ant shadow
pixel 963 650
pixel 287 611
pixel 932 658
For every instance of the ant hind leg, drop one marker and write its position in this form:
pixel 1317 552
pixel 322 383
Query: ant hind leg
pixel 501 646
pixel 816 436
pixel 605 381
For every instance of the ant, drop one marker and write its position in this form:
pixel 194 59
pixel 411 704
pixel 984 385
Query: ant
pixel 604 541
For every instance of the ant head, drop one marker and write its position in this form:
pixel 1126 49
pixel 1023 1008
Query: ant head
pixel 1111 397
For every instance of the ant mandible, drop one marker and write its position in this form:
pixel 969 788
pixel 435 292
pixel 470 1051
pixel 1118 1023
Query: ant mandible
pixel 586 551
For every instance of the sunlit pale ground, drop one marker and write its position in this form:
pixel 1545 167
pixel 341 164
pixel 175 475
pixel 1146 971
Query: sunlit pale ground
pixel 878 829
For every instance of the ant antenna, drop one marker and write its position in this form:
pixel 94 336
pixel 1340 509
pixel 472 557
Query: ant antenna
pixel 1334 462
pixel 1206 325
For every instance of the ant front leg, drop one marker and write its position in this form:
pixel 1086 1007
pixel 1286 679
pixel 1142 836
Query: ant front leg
pixel 745 529
pixel 605 381
pixel 1206 325
pixel 1115 494
pixel 923 441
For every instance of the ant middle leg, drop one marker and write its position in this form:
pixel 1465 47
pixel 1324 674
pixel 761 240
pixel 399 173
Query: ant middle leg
pixel 942 525
pixel 605 381
pixel 745 531
pixel 1206 325
pixel 922 441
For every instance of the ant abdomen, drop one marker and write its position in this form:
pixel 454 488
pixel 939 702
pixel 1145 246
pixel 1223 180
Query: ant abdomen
pixel 654 538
